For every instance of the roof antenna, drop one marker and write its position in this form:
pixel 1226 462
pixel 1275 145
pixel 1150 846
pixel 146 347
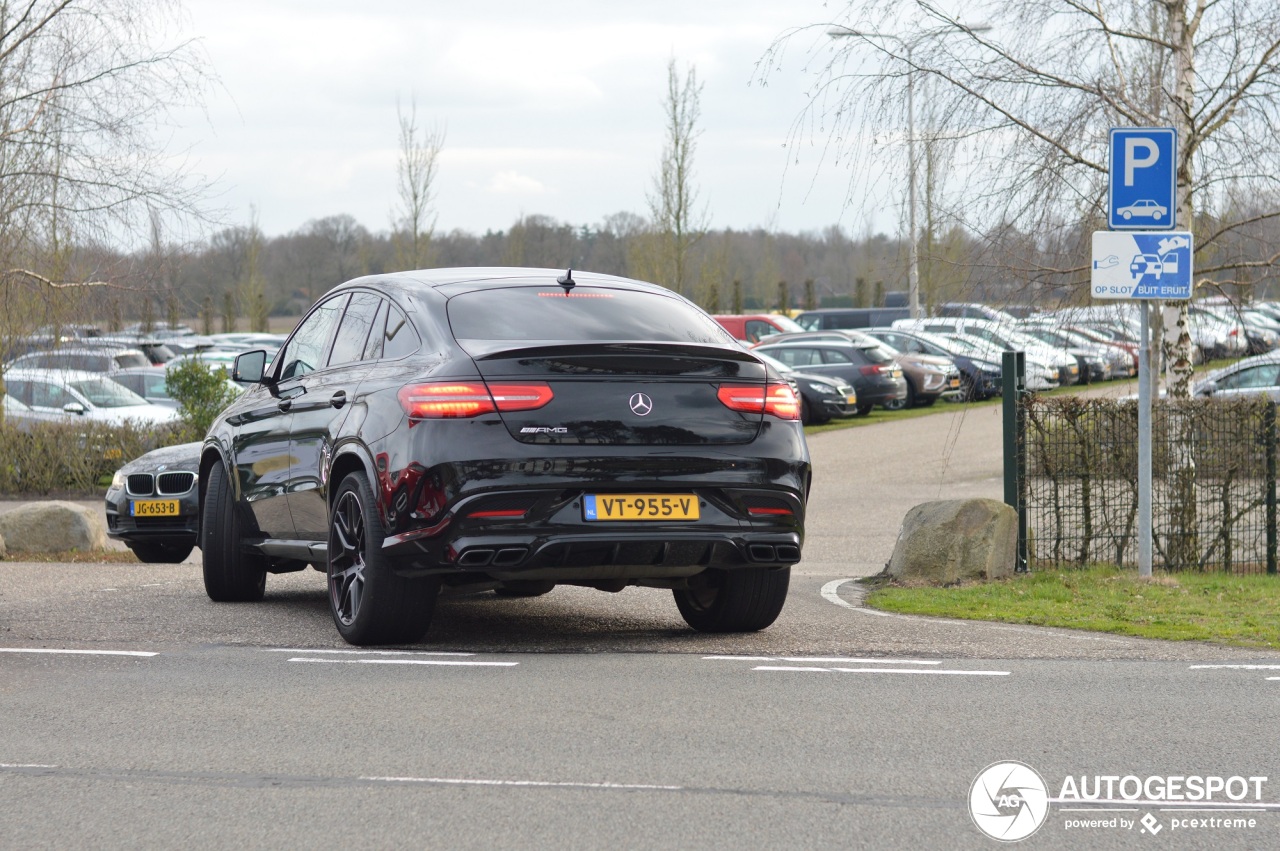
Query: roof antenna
pixel 566 280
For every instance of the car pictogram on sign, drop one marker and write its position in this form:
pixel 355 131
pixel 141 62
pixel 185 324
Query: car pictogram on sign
pixel 1143 209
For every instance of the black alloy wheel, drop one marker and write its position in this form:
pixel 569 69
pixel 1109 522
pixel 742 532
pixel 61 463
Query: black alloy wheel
pixel 745 599
pixel 369 602
pixel 231 575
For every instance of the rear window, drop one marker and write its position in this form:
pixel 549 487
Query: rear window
pixel 584 315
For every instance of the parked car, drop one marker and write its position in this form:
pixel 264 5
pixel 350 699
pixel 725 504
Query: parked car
pixel 999 337
pixel 828 318
pixel 822 398
pixel 1254 376
pixel 979 376
pixel 509 429
pixel 49 395
pixel 1094 361
pixel 929 377
pixel 153 504
pixel 869 367
pixel 156 351
pixel 81 359
pixel 754 327
pixel 152 382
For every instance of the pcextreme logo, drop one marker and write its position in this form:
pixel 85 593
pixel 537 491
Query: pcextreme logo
pixel 1008 801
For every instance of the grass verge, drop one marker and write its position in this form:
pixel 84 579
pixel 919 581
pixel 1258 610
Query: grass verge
pixel 1215 607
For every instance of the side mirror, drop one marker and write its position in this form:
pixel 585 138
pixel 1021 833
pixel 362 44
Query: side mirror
pixel 249 367
pixel 1208 388
pixel 74 408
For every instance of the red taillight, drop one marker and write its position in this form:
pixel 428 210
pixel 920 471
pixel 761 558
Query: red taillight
pixel 760 511
pixel 778 400
pixel 873 369
pixel 520 397
pixel 459 399
pixel 505 512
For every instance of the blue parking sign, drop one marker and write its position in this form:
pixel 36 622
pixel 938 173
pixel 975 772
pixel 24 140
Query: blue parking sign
pixel 1144 178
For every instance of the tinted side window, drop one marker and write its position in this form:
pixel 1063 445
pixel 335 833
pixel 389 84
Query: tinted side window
pixel 48 395
pixel 757 330
pixel 349 345
pixel 306 350
pixel 373 348
pixel 20 390
pixel 835 356
pixel 400 338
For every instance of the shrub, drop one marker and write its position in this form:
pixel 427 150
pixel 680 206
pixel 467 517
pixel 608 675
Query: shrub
pixel 202 391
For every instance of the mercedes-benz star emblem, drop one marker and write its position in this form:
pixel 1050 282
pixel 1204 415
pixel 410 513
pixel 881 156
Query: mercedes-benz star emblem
pixel 641 404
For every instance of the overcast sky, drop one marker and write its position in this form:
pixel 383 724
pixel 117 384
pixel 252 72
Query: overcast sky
pixel 553 107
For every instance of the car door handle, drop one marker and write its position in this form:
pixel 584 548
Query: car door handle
pixel 284 404
pixel 338 399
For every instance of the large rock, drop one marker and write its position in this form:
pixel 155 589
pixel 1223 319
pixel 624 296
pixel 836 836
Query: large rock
pixel 950 540
pixel 54 526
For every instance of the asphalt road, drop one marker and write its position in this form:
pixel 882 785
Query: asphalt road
pixel 591 720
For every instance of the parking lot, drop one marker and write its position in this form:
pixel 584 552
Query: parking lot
pixel 137 713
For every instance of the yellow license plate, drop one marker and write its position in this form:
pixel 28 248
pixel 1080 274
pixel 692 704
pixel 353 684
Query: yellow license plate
pixel 851 399
pixel 155 508
pixel 955 382
pixel 640 506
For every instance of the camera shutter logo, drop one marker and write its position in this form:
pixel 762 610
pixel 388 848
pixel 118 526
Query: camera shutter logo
pixel 1008 801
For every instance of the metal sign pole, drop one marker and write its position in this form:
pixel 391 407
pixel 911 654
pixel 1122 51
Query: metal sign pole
pixel 1144 443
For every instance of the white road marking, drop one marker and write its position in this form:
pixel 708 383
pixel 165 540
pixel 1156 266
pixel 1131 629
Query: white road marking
pixel 365 652
pixel 404 662
pixel 24 765
pixel 883 671
pixel 829 592
pixel 1239 667
pixel 824 659
pixel 457 781
pixel 77 652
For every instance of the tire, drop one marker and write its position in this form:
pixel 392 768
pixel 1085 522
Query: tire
pixel 162 553
pixel 865 408
pixel 747 599
pixel 968 389
pixel 1157 215
pixel 806 412
pixel 230 575
pixel 525 588
pixel 370 604
pixel 1127 215
pixel 909 401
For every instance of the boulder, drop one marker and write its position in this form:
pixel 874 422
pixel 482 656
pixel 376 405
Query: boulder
pixel 950 540
pixel 45 527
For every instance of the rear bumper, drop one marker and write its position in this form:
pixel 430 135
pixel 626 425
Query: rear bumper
pixel 553 540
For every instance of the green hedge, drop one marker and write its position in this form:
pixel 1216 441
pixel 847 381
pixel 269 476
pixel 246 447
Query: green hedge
pixel 74 459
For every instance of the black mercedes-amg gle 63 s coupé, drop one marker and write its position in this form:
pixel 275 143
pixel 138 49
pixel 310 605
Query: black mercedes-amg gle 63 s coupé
pixel 506 429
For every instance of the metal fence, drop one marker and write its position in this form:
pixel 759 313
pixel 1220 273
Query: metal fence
pixel 1213 500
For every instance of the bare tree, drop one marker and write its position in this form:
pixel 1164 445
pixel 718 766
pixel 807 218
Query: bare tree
pixel 253 289
pixel 678 220
pixel 83 88
pixel 1022 108
pixel 413 222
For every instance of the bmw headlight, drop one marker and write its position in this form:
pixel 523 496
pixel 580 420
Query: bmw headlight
pixel 822 389
pixel 117 481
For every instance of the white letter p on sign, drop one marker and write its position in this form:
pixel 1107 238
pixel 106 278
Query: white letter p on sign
pixel 1133 162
